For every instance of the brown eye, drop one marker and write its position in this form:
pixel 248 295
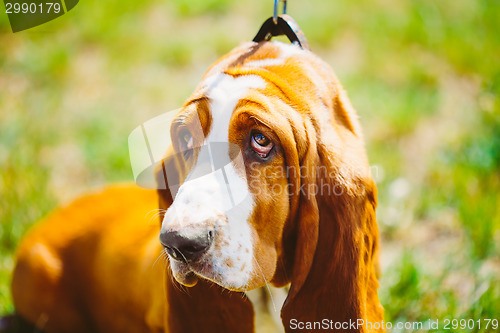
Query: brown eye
pixel 186 142
pixel 261 144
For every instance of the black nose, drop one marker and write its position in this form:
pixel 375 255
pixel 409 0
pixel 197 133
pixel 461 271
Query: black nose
pixel 183 248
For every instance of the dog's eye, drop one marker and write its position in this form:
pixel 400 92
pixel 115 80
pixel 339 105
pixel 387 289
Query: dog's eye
pixel 186 143
pixel 261 144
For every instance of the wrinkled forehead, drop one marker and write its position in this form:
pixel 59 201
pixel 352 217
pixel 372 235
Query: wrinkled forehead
pixel 267 55
pixel 266 74
pixel 256 55
pixel 281 82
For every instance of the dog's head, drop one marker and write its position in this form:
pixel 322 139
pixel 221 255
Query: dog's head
pixel 292 202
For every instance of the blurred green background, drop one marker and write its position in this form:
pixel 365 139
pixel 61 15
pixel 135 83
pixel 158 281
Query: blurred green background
pixel 424 76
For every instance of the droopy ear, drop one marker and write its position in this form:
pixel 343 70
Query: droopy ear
pixel 334 273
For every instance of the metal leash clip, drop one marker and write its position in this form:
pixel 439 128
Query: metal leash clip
pixel 280 25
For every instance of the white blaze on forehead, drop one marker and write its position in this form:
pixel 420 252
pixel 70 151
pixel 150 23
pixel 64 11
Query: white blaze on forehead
pixel 224 92
pixel 219 200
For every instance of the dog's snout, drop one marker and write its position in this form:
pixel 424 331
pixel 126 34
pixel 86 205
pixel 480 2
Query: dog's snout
pixel 185 248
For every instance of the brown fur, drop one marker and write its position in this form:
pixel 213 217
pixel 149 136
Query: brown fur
pixel 91 266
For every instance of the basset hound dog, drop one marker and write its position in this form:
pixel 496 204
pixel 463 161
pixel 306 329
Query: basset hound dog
pixel 305 222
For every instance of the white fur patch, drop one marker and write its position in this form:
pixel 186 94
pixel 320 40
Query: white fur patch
pixel 224 92
pixel 267 302
pixel 218 200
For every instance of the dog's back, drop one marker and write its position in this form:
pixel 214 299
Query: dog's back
pixel 93 260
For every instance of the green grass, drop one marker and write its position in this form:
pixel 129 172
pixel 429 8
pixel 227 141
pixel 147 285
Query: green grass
pixel 423 75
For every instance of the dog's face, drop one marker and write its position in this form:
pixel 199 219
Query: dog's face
pixel 269 102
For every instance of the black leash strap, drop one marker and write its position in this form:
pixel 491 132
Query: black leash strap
pixel 282 25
